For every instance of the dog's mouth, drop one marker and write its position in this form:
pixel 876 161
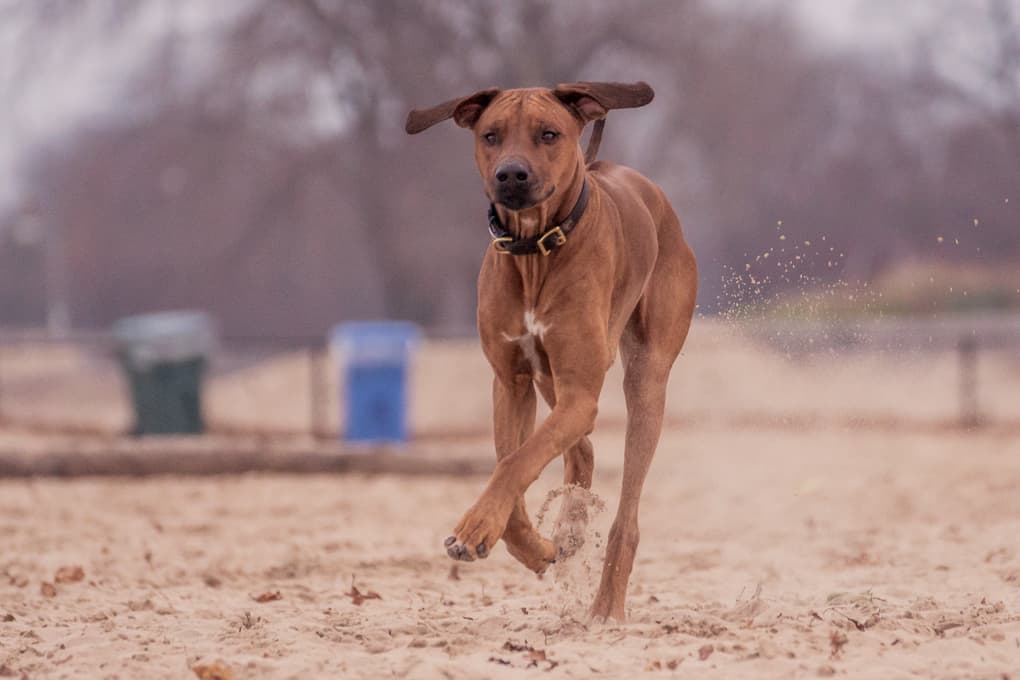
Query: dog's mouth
pixel 522 200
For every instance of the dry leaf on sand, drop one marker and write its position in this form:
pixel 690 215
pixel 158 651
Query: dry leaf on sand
pixel 357 597
pixel 837 639
pixel 532 656
pixel 268 596
pixel 213 671
pixel 512 646
pixel 71 574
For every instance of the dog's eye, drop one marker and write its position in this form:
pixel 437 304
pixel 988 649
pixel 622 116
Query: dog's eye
pixel 490 138
pixel 549 135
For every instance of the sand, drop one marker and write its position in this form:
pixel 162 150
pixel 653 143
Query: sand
pixel 765 553
pixel 807 515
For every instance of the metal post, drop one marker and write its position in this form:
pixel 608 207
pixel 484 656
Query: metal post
pixel 1 383
pixel 55 266
pixel 316 393
pixel 967 351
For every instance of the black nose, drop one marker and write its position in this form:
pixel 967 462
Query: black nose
pixel 512 173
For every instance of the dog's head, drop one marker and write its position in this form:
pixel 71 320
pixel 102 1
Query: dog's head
pixel 527 141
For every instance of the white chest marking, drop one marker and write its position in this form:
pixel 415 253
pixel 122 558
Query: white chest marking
pixel 533 325
pixel 533 329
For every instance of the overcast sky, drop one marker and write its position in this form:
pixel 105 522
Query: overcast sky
pixel 52 82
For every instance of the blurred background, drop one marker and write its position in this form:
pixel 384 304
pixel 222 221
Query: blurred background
pixel 848 173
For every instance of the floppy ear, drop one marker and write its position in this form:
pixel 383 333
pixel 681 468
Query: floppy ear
pixel 592 101
pixel 464 111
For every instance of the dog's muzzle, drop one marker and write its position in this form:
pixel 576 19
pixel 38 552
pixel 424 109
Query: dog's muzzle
pixel 514 185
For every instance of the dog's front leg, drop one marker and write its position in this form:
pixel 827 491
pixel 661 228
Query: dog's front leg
pixel 513 400
pixel 578 378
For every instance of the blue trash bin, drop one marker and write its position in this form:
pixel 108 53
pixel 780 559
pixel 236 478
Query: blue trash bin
pixel 374 358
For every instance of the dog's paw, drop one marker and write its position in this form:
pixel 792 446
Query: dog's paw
pixel 530 549
pixel 479 529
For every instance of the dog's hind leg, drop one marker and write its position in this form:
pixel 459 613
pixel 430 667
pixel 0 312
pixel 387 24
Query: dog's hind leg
pixel 578 467
pixel 650 344
pixel 645 390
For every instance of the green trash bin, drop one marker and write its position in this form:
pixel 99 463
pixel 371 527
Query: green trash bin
pixel 164 358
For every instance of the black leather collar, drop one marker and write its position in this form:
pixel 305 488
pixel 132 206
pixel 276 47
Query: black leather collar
pixel 549 240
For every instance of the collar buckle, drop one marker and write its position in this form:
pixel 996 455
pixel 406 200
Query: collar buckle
pixel 502 244
pixel 559 238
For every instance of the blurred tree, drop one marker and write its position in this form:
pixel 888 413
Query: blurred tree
pixel 970 59
pixel 255 162
pixel 965 78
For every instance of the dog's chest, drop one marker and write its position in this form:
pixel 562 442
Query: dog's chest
pixel 530 341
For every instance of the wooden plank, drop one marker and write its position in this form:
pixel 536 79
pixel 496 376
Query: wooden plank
pixel 152 460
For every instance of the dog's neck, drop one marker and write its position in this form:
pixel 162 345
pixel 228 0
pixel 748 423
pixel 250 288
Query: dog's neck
pixel 552 211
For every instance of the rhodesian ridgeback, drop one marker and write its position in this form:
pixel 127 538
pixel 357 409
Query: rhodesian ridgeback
pixel 586 258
